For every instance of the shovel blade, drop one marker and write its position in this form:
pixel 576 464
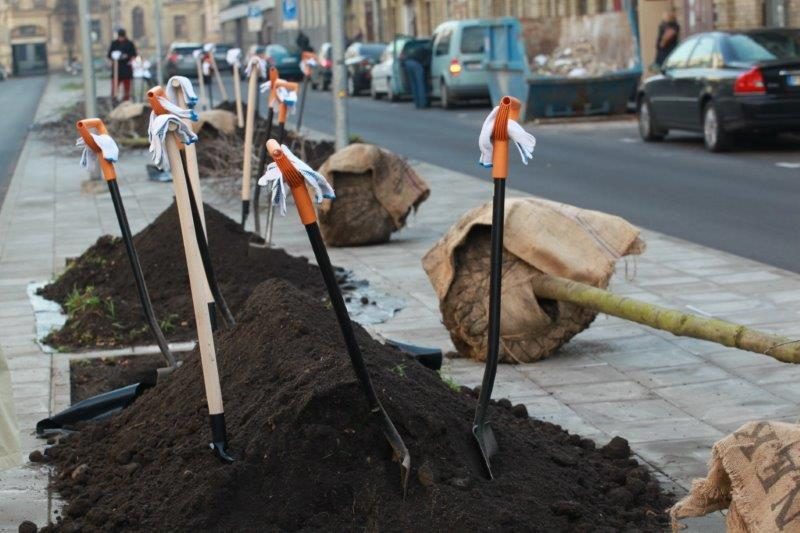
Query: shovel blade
pixel 487 444
pixel 401 453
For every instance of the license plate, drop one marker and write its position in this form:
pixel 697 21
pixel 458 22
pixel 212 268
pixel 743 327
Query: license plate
pixel 793 81
pixel 473 66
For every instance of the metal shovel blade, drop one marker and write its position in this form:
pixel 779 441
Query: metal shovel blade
pixel 487 443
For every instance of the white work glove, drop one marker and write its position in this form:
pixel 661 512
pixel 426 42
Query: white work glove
pixel 157 133
pixel 273 179
pixel 262 67
pixel 209 47
pixel 234 57
pixel 188 94
pixel 116 55
pixel 283 95
pixel 524 141
pixel 108 147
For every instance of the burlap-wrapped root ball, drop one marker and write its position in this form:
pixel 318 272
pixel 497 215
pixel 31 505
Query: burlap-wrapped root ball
pixel 540 237
pixel 376 190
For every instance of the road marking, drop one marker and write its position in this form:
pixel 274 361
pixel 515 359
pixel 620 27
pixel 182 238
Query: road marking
pixel 787 164
pixel 629 140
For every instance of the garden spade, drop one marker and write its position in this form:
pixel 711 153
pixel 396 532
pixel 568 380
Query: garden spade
pixel 509 109
pixel 262 156
pixel 290 174
pixel 253 68
pixel 197 280
pixel 188 157
pixel 283 111
pixel 109 175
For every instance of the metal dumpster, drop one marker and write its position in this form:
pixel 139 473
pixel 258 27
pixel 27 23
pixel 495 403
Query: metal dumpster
pixel 552 96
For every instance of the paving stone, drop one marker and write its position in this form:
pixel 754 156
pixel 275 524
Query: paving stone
pixel 599 392
pixel 547 374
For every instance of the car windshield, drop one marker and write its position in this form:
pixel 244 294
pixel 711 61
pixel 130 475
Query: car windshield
pixel 186 50
pixel 473 39
pixel 372 50
pixel 763 46
pixel 276 49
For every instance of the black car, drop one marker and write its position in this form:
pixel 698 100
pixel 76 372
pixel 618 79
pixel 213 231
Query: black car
pixel 359 58
pixel 723 84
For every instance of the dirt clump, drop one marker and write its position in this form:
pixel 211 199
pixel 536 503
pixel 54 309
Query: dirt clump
pixel 311 457
pixel 99 294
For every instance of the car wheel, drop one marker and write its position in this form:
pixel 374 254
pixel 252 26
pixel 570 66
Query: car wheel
pixel 716 139
pixel 389 92
pixel 445 97
pixel 648 129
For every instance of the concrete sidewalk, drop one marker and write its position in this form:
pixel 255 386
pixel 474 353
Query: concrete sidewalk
pixel 671 397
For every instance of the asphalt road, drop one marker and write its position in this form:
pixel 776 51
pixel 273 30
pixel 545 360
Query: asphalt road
pixel 746 202
pixel 19 98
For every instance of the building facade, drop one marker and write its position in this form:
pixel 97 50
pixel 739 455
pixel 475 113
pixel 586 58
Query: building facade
pixel 41 35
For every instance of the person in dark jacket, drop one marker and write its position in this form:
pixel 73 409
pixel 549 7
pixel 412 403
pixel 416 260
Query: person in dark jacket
pixel 669 32
pixel 124 69
pixel 416 63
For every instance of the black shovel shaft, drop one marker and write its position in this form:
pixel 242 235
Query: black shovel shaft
pixel 302 104
pixel 353 350
pixel 205 255
pixel 245 212
pixel 495 281
pixel 141 286
pixel 262 166
pixel 281 132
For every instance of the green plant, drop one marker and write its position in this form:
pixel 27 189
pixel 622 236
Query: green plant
pixel 167 325
pixel 111 308
pixel 355 138
pixel 80 302
pixel 399 369
pixel 450 382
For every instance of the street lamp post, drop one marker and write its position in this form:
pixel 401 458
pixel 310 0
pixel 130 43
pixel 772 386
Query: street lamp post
pixel 339 74
pixel 90 94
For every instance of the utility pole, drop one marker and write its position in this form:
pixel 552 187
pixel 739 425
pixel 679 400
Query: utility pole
pixel 339 89
pixel 87 60
pixel 159 44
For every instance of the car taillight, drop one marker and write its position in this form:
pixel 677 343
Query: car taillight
pixel 750 82
pixel 455 67
pixel 173 58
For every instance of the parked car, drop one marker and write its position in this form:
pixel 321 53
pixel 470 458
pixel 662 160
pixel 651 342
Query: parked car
pixel 725 83
pixel 286 59
pixel 389 76
pixel 322 73
pixel 359 58
pixel 456 63
pixel 180 60
pixel 220 55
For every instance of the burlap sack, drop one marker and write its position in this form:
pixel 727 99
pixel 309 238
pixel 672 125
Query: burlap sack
pixel 219 119
pixel 540 236
pixel 9 434
pixel 375 192
pixel 755 474
pixel 128 110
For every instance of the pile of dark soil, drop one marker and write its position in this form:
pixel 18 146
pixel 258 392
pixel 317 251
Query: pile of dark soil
pixel 89 377
pixel 312 458
pixel 99 293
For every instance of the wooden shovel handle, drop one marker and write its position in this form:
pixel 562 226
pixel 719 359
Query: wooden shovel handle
pixel 107 167
pixel 152 96
pixel 296 181
pixel 509 109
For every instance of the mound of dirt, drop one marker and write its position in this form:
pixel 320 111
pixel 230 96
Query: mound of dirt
pixel 99 293
pixel 310 457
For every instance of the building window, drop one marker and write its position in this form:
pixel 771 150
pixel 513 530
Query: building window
pixel 179 26
pixel 582 7
pixel 68 32
pixel 137 22
pixel 96 31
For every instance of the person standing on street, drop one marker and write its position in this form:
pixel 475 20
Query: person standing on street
pixel 668 35
pixel 416 63
pixel 125 71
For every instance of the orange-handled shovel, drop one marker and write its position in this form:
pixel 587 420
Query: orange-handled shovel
pixel 273 77
pixel 85 127
pixel 197 280
pixel 189 162
pixel 509 109
pixel 283 112
pixel 308 217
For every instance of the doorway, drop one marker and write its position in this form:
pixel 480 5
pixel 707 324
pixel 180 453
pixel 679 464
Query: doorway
pixel 29 58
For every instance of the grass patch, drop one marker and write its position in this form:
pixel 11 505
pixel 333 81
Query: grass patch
pixel 80 302
pixel 450 382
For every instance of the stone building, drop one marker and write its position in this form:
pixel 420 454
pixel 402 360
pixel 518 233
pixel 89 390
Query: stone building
pixel 41 35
